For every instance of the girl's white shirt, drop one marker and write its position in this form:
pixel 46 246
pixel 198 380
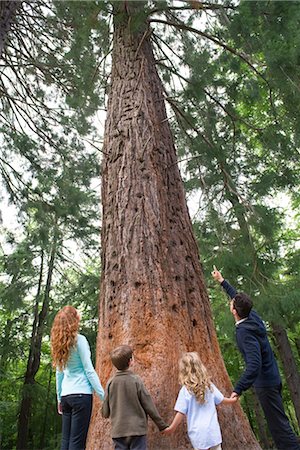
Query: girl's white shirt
pixel 202 420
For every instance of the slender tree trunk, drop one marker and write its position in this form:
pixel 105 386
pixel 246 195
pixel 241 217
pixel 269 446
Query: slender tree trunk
pixel 33 363
pixel 8 10
pixel 23 419
pixel 43 431
pixel 289 366
pixel 4 346
pixel 153 294
pixel 297 343
pixel 261 423
pixel 249 411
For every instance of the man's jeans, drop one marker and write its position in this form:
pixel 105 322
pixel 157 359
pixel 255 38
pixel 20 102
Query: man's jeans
pixel 278 423
pixel 77 409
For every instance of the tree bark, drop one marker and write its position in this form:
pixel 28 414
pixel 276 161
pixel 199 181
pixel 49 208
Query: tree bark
pixel 8 11
pixel 289 366
pixel 153 294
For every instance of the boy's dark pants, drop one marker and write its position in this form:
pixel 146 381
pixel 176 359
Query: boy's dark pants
pixel 76 410
pixel 278 423
pixel 131 443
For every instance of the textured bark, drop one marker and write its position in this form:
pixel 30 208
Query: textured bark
pixel 289 366
pixel 153 294
pixel 8 10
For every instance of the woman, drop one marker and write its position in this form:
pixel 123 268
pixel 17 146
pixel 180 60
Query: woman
pixel 76 378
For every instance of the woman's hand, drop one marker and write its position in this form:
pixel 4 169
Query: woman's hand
pixel 59 408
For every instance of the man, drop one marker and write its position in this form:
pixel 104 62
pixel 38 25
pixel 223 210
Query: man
pixel 261 367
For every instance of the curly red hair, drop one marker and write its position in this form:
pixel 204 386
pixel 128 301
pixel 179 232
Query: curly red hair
pixel 64 335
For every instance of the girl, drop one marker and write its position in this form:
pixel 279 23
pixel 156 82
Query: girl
pixel 75 378
pixel 197 400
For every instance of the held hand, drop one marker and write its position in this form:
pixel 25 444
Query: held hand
pixel 167 431
pixel 59 408
pixel 217 275
pixel 234 396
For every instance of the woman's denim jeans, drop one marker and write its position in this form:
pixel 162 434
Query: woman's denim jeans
pixel 77 409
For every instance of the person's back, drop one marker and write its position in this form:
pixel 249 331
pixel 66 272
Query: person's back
pixel 202 420
pixel 78 374
pixel 76 378
pixel 127 403
pixel 264 370
pixel 197 400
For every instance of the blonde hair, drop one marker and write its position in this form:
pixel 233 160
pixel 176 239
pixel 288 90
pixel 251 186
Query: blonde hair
pixel 193 375
pixel 64 335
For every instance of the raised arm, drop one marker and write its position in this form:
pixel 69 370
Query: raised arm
pixel 230 290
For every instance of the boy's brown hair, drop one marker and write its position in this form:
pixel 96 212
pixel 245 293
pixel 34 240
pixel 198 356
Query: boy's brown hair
pixel 121 356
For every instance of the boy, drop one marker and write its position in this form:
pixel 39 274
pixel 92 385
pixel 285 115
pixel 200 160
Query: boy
pixel 127 403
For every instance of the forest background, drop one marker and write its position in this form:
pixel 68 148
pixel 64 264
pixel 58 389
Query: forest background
pixel 230 72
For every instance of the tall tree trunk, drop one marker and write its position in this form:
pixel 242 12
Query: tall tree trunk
pixel 8 10
pixel 289 366
pixel 153 294
pixel 33 362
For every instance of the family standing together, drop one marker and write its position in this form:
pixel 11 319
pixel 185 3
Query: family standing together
pixel 127 402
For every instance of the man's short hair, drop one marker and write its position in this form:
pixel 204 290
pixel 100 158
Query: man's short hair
pixel 121 356
pixel 242 303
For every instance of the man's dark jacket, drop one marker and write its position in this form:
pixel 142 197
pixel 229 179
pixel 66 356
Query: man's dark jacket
pixel 251 336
